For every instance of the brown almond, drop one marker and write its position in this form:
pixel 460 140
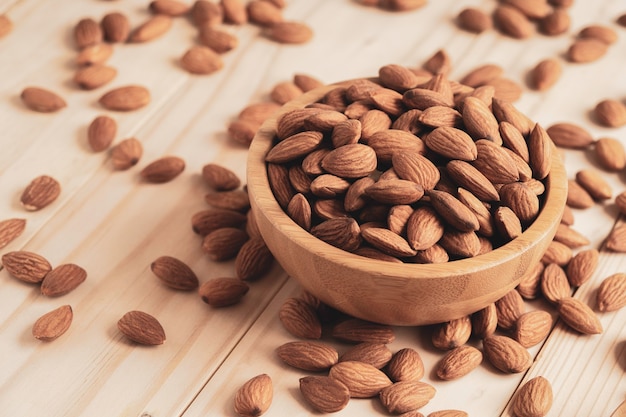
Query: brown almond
pixel 373 121
pixel 533 9
pixel 341 232
pixel 424 228
pixel 582 266
pixel 611 294
pixel 10 229
pixel 557 253
pixel 494 163
pixel 218 40
pixel 470 178
pixel 405 365
pixel 324 394
pixel 223 291
pixel 258 112
pixel 376 354
pixel 201 60
pixel 42 100
pixel 163 169
pixel 479 121
pixel 436 116
pixel 452 334
pixel 299 209
pixel 439 63
pixel 242 131
pixel 205 221
pixel 224 243
pixel 610 113
pixel 116 27
pixel 401 5
pixel 506 354
pixel 522 200
pixel 458 362
pixel 387 241
pixel 594 183
pixel 620 202
pixel 87 32
pixel 485 321
pixel 308 356
pixel 540 150
pixel 507 223
pixel 254 397
pixel 284 92
pixel 40 192
pixel 6 25
pixel 513 139
pixel 219 177
pixel 346 132
pixel 457 214
pixel 362 379
pixel 577 196
pixel 357 330
pixel 280 185
pixel 533 398
pixel 26 266
pixel 545 74
pixel 433 255
pixel 394 191
pixel 234 11
pixel 586 50
pixel 174 273
pixel 480 210
pixel 300 319
pixel 299 145
pixel 169 7
pixel 474 20
pixel 206 13
pixel 616 241
pixel 126 154
pixel 94 54
pixel 397 77
pixel 556 22
pixel 62 279
pixel 570 135
pixel 481 75
pixel 570 237
pixel 264 13
pixel 388 142
pixel 101 133
pixel 610 154
pixel 253 260
pixel 512 22
pixel 509 308
pixel 529 284
pixel 532 327
pixel 151 28
pixel 53 324
pixel 579 316
pixel 600 32
pixel 462 244
pixel 290 32
pixel 554 283
pixel 127 98
pixel 94 76
pixel 506 111
pixel 405 396
pixel 506 89
pixel 423 98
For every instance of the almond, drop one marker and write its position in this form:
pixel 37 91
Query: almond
pixel 94 76
pixel 438 63
pixel 389 142
pixel 94 54
pixel 577 196
pixel 405 396
pixel 482 74
pixel 151 28
pixel 234 11
pixel 53 324
pixel 350 161
pixel 297 146
pixel 62 279
pixel 533 398
pixel 570 135
pixel 254 397
pixel 556 22
pixel 435 254
pixel 506 354
pixel 485 321
pixel 10 229
pixel 324 394
pixel 522 200
pixel 126 154
pixel 513 139
pixel 87 32
pixel 101 133
pixel 243 131
pixel 507 223
pixel 452 334
pixel 554 283
pixel 26 266
pixel 405 365
pixel 127 98
pixel 529 284
pixel 602 33
pixel 509 309
pixel 258 112
pixel 424 228
pixel 494 163
pixel 415 167
pixel 512 22
pixel 342 232
pixel 474 20
pixel 224 243
pixel 237 200
pixel 470 178
pixel 533 9
pixel 387 241
pixel 532 327
pixel 206 13
pixel 401 5
pixel 479 121
pixel 363 380
pixel 505 111
pixel 174 273
pixel 253 260
pixel 610 113
pixel 540 151
pixel 373 121
pixel 458 362
pixel 217 40
pixel 582 266
pixel 142 328
pixel 545 74
pixel 219 177
pixel 282 189
pixel 441 116
pixel 610 154
pixel 116 27
pixel 290 32
pixel 376 354
pixel 570 237
pixel 201 60
pixel 480 210
pixel 357 330
pixel 579 316
pixel 6 25
pixel 300 319
pixel 557 253
pixel 169 7
pixel 163 169
pixel 394 191
pixel 611 294
pixel 42 100
pixel 594 183
pixel 586 50
pixel 308 356
pixel 346 133
pixel 222 292
pixel 453 211
pixel 506 89
pixel 397 77
pixel 462 244
pixel 616 241
pixel 300 211
pixel 40 192
pixel 264 13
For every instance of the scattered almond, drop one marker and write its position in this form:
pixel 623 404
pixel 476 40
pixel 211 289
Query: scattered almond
pixel 474 20
pixel 142 328
pixel 6 25
pixel 610 113
pixel 163 169
pixel 62 279
pixel 94 76
pixel 579 316
pixel 87 32
pixel 40 192
pixel 405 396
pixel 610 154
pixel 10 229
pixel 586 50
pixel 201 60
pixel 545 74
pixel 532 327
pixel 42 100
pixel 533 398
pixel 458 362
pixel 126 154
pixel 254 397
pixel 127 98
pixel 300 319
pixel 290 32
pixel 26 266
pixel 222 292
pixel 506 354
pixel 362 379
pixel 116 27
pixel 174 273
pixel 308 356
pixel 151 28
pixel 611 294
pixel 101 133
pixel 53 324
pixel 324 394
pixel 169 7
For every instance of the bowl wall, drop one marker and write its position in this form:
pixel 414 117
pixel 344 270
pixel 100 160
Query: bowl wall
pixel 386 292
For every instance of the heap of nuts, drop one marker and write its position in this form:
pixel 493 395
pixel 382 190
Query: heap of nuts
pixel 412 167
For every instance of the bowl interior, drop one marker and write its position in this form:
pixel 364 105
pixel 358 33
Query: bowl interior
pixel 386 292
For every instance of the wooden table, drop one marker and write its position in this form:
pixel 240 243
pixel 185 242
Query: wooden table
pixel 114 225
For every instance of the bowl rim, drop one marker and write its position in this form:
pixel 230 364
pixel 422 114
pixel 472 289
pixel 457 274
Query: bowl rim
pixel 263 199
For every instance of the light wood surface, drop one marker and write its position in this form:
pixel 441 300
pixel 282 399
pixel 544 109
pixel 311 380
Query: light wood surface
pixel 113 225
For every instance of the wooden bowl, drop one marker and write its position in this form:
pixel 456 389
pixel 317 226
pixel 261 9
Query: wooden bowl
pixel 387 292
